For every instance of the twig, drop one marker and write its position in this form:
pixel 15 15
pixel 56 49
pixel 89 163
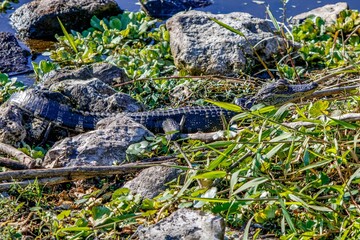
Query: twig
pixel 22 157
pixel 331 91
pixel 12 164
pixel 338 71
pixel 76 172
pixel 208 137
pixel 44 181
pixel 351 117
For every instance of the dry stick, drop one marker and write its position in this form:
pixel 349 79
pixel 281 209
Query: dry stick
pixel 12 164
pixel 351 117
pixel 331 91
pixel 75 172
pixel 44 181
pixel 22 157
pixel 323 79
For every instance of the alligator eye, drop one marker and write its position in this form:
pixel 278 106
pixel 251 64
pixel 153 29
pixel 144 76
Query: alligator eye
pixel 282 87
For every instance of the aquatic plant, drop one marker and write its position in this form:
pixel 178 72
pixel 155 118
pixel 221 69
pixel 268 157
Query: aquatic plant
pixel 130 40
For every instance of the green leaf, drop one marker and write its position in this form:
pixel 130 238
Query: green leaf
pixel 283 136
pixel 273 19
pixel 223 156
pixel 63 214
pixel 274 150
pixel 306 205
pixel 68 37
pixel 314 165
pixel 211 175
pixel 95 23
pixel 253 183
pixel 227 106
pixel 98 212
pixel 74 229
pixel 287 216
pixel 233 181
pixel 319 108
pixel 247 229
pixel 228 27
pixel 120 192
pixel 343 123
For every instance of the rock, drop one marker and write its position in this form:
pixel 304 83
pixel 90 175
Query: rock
pixel 186 224
pixel 151 181
pixel 38 19
pixel 105 72
pixel 95 96
pixel 164 9
pixel 329 13
pixel 13 59
pixel 101 147
pixel 12 130
pixel 201 46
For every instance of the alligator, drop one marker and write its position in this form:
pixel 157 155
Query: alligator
pixel 184 120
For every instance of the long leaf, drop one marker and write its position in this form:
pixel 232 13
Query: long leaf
pixel 253 183
pixel 287 216
pixel 68 37
pixel 228 27
pixel 214 164
pixel 247 229
pixel 227 106
pixel 211 175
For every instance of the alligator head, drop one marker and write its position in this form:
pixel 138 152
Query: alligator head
pixel 278 93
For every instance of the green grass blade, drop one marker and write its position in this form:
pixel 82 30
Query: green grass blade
pixel 253 183
pixel 228 27
pixel 68 37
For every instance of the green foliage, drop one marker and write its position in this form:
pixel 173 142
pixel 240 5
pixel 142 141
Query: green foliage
pixel 8 86
pixel 36 152
pixel 130 40
pixel 290 72
pixel 43 67
pixel 332 45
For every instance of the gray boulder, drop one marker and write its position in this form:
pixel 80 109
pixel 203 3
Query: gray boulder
pixel 102 147
pixel 186 224
pixel 201 46
pixel 105 72
pixel 38 19
pixel 12 130
pixel 95 96
pixel 329 13
pixel 151 181
pixel 13 59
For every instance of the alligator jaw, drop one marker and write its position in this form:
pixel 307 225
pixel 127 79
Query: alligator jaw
pixel 279 93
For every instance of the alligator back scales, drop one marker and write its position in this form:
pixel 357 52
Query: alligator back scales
pixel 195 119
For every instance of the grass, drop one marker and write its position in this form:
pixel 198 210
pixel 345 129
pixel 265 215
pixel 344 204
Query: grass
pixel 297 183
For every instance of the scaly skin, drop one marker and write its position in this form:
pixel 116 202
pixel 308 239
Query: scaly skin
pixel 194 119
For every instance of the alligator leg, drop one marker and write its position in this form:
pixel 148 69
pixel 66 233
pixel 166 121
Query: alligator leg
pixel 171 129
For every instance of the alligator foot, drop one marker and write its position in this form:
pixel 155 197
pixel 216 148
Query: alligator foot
pixel 171 129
